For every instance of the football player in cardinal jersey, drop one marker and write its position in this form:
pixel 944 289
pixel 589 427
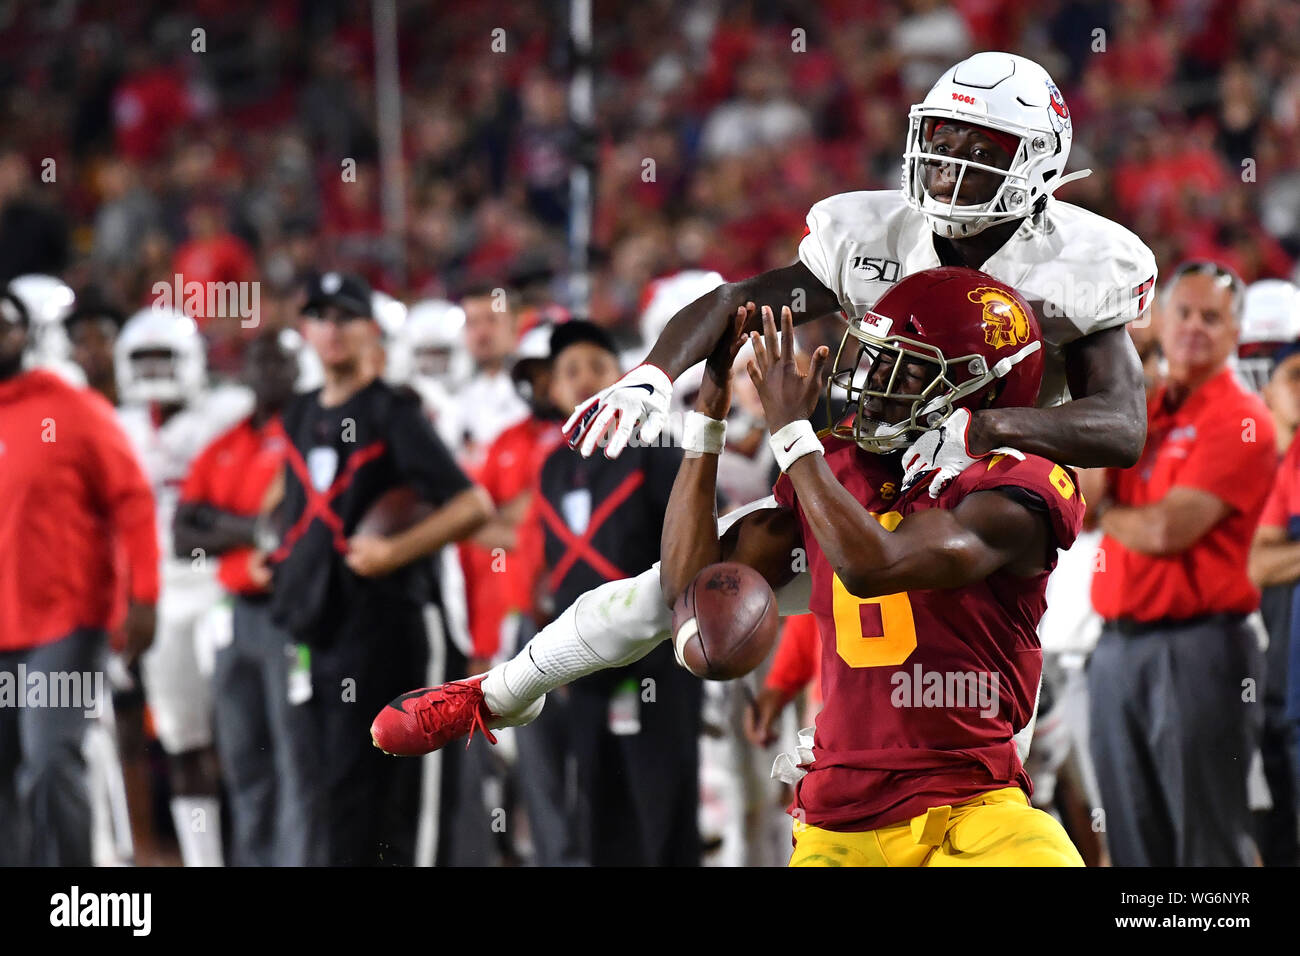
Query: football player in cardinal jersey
pixel 985 151
pixel 927 606
pixel 170 416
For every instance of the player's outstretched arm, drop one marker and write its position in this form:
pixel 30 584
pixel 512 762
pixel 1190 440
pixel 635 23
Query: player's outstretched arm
pixel 701 328
pixel 1104 426
pixel 764 540
pixel 934 549
pixel 698 331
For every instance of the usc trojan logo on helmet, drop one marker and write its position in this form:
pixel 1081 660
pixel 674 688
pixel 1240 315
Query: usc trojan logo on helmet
pixel 1005 322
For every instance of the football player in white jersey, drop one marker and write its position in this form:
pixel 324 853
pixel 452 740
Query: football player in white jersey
pixel 428 354
pixel 170 416
pixel 985 151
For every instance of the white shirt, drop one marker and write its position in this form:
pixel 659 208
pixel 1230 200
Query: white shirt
pixel 1080 272
pixel 486 406
pixel 166 453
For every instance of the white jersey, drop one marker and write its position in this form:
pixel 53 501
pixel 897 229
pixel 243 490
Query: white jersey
pixel 1080 271
pixel 442 410
pixel 486 406
pixel 1070 625
pixel 166 452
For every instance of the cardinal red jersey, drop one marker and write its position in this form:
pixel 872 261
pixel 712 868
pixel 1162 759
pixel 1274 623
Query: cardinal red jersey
pixel 924 690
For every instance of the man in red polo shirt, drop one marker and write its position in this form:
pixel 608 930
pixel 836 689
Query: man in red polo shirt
pixel 72 496
pixel 1173 715
pixel 265 739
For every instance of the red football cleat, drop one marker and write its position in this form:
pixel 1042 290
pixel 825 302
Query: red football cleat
pixel 422 721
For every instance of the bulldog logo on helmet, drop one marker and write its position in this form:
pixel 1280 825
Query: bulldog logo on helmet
pixel 1058 113
pixel 1005 322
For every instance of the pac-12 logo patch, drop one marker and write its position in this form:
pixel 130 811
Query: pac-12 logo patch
pixel 1005 322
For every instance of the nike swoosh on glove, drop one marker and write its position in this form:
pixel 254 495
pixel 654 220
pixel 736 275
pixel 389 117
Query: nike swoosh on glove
pixel 641 395
pixel 943 453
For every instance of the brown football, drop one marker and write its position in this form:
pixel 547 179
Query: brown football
pixel 393 512
pixel 725 622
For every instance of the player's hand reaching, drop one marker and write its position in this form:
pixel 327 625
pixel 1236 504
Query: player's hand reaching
pixel 642 395
pixel 259 572
pixel 370 556
pixel 141 622
pixel 763 714
pixel 788 395
pixel 714 399
pixel 943 453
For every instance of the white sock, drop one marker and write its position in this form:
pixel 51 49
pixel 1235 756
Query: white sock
pixel 198 830
pixel 609 626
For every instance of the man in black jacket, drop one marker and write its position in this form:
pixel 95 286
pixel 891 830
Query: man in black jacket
pixel 357 600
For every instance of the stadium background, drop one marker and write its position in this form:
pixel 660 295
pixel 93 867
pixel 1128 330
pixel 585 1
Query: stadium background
pixel 143 131
pixel 128 156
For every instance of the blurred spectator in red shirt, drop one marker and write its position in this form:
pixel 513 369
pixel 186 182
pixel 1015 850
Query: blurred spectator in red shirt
pixel 1172 732
pixel 74 499
pixel 152 101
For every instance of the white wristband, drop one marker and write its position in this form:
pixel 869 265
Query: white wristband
pixel 794 441
pixel 703 435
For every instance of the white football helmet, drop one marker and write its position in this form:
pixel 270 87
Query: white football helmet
pixel 1002 92
pixel 49 301
pixel 175 378
pixel 431 344
pixel 390 313
pixel 1270 318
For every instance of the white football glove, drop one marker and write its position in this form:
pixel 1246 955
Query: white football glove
pixel 943 451
pixel 641 395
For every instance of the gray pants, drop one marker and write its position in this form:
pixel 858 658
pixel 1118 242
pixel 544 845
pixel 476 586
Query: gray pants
pixel 45 814
pixel 1172 740
pixel 267 747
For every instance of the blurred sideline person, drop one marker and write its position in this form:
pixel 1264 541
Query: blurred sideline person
pixel 411 351
pixel 265 740
pixel 633 731
pixel 92 329
pixel 1172 729
pixel 69 479
pixel 1271 362
pixel 120 758
pixel 429 355
pixel 488 403
pixel 510 475
pixel 171 415
pixel 358 600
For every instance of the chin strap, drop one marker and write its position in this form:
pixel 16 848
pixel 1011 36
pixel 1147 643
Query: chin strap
pixel 1070 178
pixel 1011 361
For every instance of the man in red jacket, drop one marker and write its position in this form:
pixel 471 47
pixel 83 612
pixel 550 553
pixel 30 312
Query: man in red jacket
pixel 73 495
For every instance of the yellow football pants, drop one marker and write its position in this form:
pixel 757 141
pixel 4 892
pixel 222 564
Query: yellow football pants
pixel 999 828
